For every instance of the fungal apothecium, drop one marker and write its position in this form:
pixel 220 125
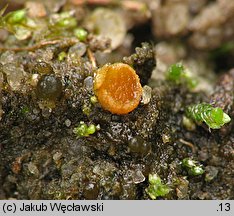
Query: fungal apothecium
pixel 118 88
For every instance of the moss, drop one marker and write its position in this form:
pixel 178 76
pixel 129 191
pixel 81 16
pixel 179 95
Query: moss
pixel 83 130
pixel 18 23
pixel 177 74
pixel 214 117
pixel 15 17
pixel 93 99
pixel 25 110
pixel 62 55
pixel 193 167
pixel 81 34
pixel 156 188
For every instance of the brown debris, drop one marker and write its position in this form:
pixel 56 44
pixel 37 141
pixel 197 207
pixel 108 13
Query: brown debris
pixel 223 95
pixel 171 19
pixel 35 9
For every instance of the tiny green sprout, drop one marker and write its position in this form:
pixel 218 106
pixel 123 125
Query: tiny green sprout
pixel 81 130
pixel 67 23
pixel 91 129
pixel 175 72
pixel 16 17
pixel 214 117
pixel 188 162
pixel 24 110
pixel 84 130
pixel 178 74
pixel 154 179
pixel 86 109
pixel 62 55
pixel 156 188
pixel 17 23
pixel 65 20
pixel 93 99
pixel 81 34
pixel 195 171
pixel 193 168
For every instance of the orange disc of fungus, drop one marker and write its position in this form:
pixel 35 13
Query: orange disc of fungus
pixel 117 88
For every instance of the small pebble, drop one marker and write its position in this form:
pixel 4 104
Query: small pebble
pixel 57 156
pixel 138 177
pixel 33 169
pixel 49 87
pixel 211 173
pixel 68 122
pixel 88 83
pixel 146 94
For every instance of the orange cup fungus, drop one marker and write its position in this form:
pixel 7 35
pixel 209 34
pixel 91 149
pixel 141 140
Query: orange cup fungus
pixel 118 88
